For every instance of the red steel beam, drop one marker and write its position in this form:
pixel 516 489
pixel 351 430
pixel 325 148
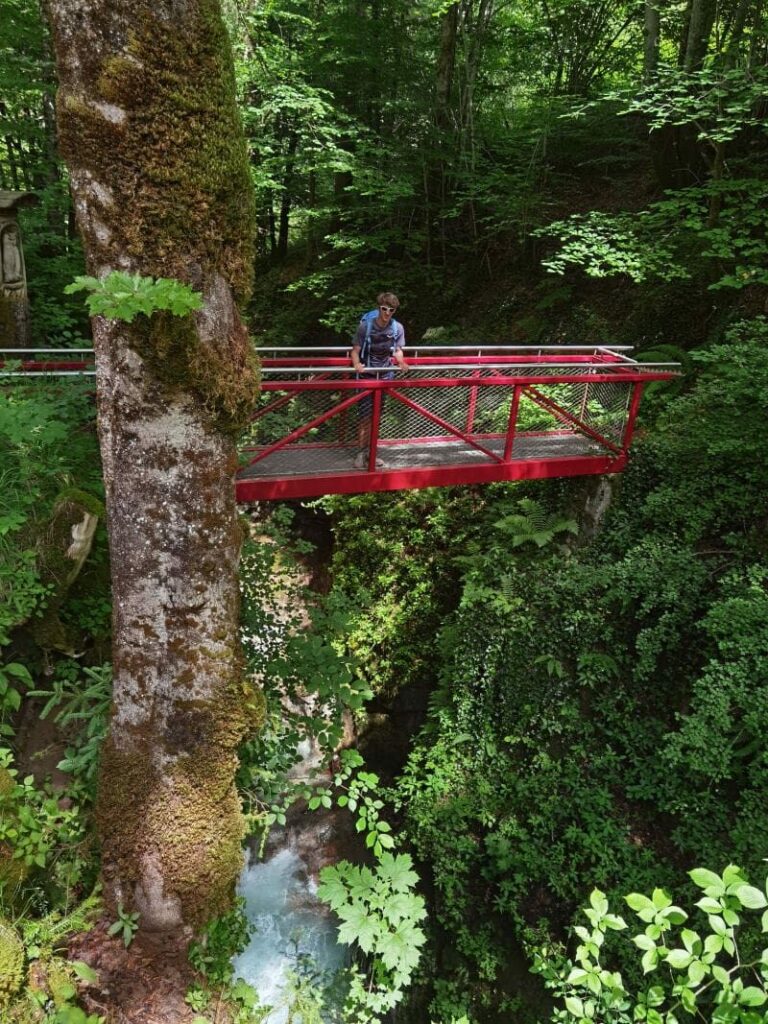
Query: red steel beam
pixel 512 427
pixel 448 382
pixel 300 431
pixel 357 482
pixel 634 405
pixel 280 402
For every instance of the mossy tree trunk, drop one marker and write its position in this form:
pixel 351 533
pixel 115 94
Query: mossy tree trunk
pixel 149 129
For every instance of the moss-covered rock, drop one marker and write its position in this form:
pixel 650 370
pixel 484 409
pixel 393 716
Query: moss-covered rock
pixel 59 983
pixel 13 870
pixel 11 963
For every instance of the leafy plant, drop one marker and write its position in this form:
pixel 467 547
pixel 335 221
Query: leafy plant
pixel 122 296
pixel 697 972
pixel 671 238
pixel 534 524
pixel 127 924
pixel 78 700
pixel 32 822
pixel 224 938
pixel 380 912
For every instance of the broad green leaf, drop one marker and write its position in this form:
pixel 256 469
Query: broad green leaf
pixel 697 972
pixel 751 897
pixel 707 880
pixel 636 901
pixel 720 975
pixel 577 974
pixel 679 958
pixel 661 900
pixel 84 972
pixel 655 996
pixel 690 938
pixel 574 1006
pixel 650 960
pixel 598 901
pixel 752 996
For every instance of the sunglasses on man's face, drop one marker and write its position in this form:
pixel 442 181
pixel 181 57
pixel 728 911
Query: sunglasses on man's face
pixel 387 309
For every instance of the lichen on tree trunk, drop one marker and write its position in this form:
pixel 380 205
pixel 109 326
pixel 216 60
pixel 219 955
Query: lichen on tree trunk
pixel 149 129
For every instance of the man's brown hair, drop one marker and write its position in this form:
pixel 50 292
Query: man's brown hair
pixel 387 299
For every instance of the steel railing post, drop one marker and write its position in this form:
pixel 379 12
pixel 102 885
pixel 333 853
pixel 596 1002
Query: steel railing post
pixel 375 419
pixel 472 405
pixel 512 422
pixel 634 405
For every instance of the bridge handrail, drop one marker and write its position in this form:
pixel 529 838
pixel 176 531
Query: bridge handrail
pixel 601 367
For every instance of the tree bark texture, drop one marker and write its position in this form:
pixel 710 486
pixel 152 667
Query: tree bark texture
pixel 149 128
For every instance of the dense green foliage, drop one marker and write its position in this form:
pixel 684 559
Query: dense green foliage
pixel 707 974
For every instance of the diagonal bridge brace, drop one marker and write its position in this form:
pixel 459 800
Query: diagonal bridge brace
pixel 562 414
pixel 301 431
pixel 445 425
pixel 278 403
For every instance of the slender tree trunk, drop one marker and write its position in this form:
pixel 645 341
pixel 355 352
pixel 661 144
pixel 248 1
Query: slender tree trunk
pixel 446 61
pixel 149 129
pixel 436 185
pixel 272 223
pixel 651 32
pixel 285 198
pixel 700 21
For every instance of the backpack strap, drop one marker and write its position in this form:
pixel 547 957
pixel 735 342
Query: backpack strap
pixel 365 351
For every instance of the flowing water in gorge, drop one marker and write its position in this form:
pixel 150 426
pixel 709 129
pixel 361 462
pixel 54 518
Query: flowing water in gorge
pixel 293 934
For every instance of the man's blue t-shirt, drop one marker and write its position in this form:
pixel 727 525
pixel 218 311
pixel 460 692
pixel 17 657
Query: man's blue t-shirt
pixel 384 342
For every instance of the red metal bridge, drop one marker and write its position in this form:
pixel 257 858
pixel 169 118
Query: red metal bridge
pixel 457 415
pixel 454 416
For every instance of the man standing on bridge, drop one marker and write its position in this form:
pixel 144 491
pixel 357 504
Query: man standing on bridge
pixel 378 343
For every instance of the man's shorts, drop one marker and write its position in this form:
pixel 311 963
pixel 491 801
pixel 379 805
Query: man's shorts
pixel 365 405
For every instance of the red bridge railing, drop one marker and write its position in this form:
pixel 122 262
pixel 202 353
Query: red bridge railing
pixel 454 416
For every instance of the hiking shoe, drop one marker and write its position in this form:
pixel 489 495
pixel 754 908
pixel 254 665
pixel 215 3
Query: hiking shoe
pixel 361 462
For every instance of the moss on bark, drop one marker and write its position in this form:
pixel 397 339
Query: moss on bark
pixel 226 388
pixel 183 817
pixel 157 136
pixel 11 963
pixel 159 130
pixel 149 127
